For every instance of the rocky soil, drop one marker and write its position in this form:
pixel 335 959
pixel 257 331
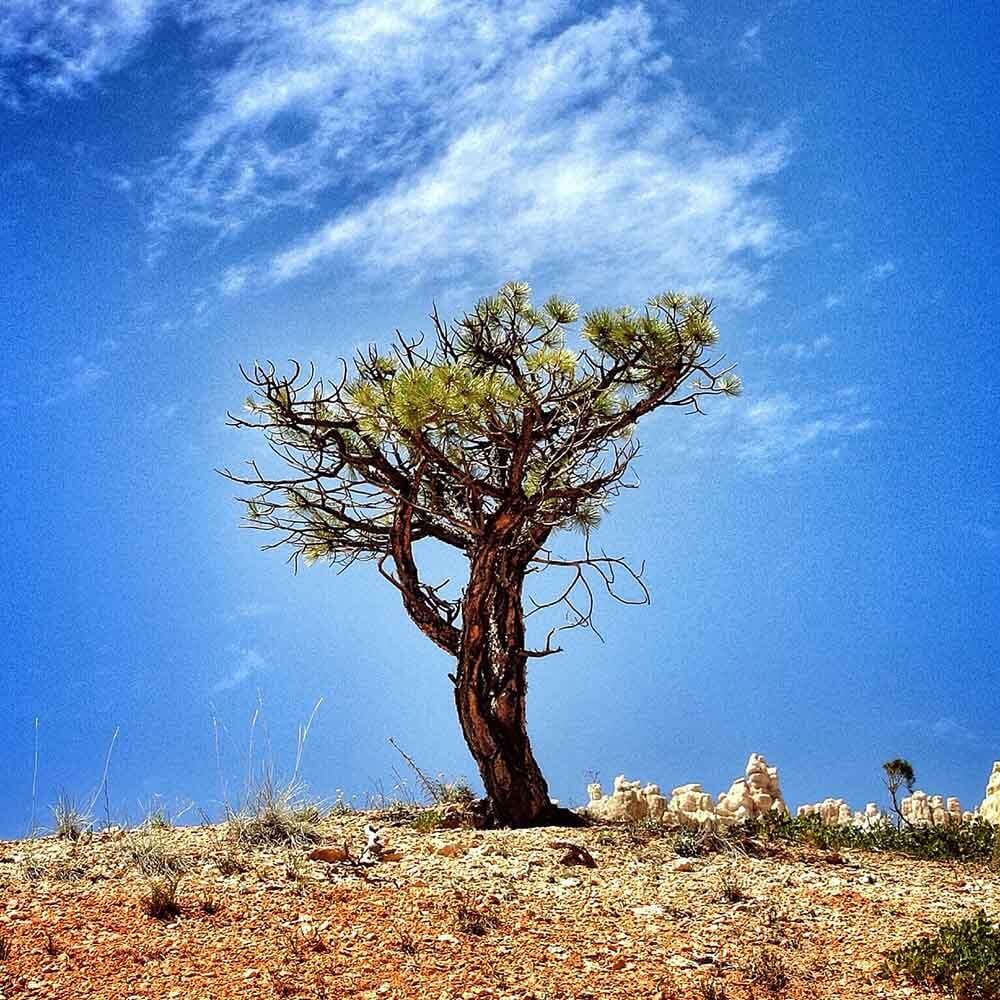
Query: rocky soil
pixel 464 914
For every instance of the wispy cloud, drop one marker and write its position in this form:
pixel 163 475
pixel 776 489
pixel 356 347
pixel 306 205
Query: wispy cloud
pixel 832 300
pixel 750 46
pixel 50 48
pixel 779 429
pixel 775 430
pixel 249 663
pixel 948 727
pixel 880 271
pixel 78 378
pixel 804 350
pixel 466 137
pixel 233 280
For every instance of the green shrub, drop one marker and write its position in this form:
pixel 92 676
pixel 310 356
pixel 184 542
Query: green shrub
pixel 972 841
pixel 962 958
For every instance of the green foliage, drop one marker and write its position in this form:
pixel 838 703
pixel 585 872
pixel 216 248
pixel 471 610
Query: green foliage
pixel 508 400
pixel 972 841
pixel 899 772
pixel 962 958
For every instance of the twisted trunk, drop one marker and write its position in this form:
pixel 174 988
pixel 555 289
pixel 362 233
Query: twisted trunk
pixel 491 686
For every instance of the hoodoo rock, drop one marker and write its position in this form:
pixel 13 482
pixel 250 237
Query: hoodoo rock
pixel 757 793
pixel 627 801
pixel 691 805
pixel 990 809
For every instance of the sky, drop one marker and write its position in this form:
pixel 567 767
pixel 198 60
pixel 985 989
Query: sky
pixel 188 186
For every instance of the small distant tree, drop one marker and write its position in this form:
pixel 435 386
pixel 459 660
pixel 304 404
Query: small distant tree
pixel 496 436
pixel 898 773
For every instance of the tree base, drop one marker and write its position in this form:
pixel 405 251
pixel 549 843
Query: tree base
pixel 489 818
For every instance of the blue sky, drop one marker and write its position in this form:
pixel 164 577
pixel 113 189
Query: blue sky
pixel 188 186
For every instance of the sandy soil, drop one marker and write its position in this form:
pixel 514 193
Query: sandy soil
pixel 495 916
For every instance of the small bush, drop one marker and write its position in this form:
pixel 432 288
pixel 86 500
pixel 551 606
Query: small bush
pixel 4 947
pixel 71 820
pixel 731 887
pixel 152 852
pixel 766 969
pixel 277 815
pixel 161 901
pixel 471 918
pixel 711 990
pixel 64 867
pixel 697 843
pixel 962 958
pixel 426 820
pixel 209 904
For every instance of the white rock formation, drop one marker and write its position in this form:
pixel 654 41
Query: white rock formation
pixel 691 805
pixel 922 809
pixel 627 801
pixel 757 793
pixel 833 812
pixel 990 809
pixel 836 812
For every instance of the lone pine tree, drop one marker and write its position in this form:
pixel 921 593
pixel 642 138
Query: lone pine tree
pixel 492 436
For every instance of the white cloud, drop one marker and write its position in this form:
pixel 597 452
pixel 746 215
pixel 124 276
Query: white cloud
pixel 778 429
pixel 233 280
pixel 832 300
pixel 158 415
pixel 772 431
pixel 881 271
pixel 463 137
pixel 78 378
pixel 50 48
pixel 750 47
pixel 804 350
pixel 949 727
pixel 249 662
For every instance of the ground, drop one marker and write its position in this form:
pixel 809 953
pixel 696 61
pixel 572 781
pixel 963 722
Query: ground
pixel 496 915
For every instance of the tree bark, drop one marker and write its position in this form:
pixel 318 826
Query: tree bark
pixel 491 689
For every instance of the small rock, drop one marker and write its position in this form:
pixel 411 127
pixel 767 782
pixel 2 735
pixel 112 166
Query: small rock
pixel 450 850
pixel 329 854
pixel 683 865
pixel 680 962
pixel 652 910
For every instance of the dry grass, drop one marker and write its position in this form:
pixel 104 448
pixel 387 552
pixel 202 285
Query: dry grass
pixel 161 900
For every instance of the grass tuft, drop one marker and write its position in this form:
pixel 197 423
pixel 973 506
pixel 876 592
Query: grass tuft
pixel 71 820
pixel 161 900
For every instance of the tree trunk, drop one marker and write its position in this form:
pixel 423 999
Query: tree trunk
pixel 491 686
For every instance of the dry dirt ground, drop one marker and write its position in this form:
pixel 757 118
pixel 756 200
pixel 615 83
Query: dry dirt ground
pixel 496 915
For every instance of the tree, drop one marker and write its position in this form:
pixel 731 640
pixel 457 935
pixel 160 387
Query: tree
pixel 493 437
pixel 898 774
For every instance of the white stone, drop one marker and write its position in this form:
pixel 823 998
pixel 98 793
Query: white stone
pixel 627 801
pixel 990 809
pixel 757 793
